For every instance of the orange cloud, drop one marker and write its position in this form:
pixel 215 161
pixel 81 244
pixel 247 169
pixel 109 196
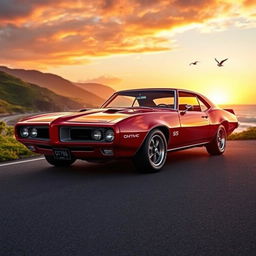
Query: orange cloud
pixel 249 3
pixel 62 32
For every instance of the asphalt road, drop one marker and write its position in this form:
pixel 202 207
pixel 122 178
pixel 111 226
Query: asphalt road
pixel 14 118
pixel 197 205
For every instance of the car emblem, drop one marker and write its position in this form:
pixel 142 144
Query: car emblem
pixel 131 136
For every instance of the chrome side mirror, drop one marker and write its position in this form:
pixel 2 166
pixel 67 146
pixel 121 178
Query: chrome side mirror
pixel 187 107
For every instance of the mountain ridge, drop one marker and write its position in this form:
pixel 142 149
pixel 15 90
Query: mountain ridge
pixel 97 88
pixel 19 96
pixel 58 85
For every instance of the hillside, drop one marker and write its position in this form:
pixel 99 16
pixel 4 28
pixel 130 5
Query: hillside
pixel 56 84
pixel 6 107
pixel 100 89
pixel 19 96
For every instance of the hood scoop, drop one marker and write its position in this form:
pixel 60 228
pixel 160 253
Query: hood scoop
pixel 112 110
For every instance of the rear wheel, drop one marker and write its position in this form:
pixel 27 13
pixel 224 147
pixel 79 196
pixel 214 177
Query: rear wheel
pixel 151 156
pixel 218 145
pixel 51 160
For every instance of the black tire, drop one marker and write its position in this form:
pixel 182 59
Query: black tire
pixel 59 163
pixel 151 157
pixel 218 145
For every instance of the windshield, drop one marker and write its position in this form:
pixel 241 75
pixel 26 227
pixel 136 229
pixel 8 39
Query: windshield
pixel 128 99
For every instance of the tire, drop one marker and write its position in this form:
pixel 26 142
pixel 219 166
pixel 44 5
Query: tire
pixel 151 157
pixel 58 163
pixel 218 145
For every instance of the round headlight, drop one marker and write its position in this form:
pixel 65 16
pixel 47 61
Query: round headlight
pixel 24 132
pixel 33 132
pixel 109 135
pixel 97 135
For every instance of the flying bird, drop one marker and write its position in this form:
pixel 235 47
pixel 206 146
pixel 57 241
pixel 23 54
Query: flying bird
pixel 220 63
pixel 194 63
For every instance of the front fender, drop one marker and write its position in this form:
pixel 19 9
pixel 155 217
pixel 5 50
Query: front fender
pixel 134 130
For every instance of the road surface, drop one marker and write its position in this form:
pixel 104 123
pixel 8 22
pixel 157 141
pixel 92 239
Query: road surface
pixel 197 205
pixel 13 119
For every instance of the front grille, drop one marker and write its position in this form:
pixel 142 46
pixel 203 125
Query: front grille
pixel 79 134
pixel 43 132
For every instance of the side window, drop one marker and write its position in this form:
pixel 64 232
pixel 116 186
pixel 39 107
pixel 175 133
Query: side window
pixel 188 99
pixel 169 101
pixel 202 105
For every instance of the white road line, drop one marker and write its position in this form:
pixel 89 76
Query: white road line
pixel 21 162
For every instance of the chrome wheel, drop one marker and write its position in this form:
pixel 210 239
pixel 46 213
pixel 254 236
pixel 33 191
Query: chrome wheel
pixel 221 139
pixel 157 151
pixel 152 154
pixel 217 145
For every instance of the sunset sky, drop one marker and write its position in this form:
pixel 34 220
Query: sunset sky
pixel 137 43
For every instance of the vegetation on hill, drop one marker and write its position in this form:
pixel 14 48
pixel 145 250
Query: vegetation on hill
pixel 56 84
pixel 19 96
pixel 10 148
pixel 6 107
pixel 249 134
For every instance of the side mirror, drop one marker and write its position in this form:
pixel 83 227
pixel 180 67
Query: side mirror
pixel 187 107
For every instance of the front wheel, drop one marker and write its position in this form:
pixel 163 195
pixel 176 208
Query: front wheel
pixel 58 163
pixel 218 145
pixel 151 156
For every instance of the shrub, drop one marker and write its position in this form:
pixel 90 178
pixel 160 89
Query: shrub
pixel 249 134
pixel 10 148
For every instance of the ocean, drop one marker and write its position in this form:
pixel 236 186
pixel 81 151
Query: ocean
pixel 246 115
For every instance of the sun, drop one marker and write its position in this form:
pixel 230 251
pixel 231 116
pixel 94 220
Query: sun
pixel 219 96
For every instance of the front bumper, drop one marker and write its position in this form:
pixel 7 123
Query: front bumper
pixel 79 151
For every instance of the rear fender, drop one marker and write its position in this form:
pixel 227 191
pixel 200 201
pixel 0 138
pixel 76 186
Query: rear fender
pixel 230 110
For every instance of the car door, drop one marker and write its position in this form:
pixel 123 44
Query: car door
pixel 193 121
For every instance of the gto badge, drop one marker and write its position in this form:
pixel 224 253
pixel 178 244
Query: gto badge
pixel 131 136
pixel 175 133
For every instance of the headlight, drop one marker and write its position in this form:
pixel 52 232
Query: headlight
pixel 97 135
pixel 24 132
pixel 33 132
pixel 109 135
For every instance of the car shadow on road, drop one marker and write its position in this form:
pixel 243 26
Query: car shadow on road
pixel 126 167
pixel 186 155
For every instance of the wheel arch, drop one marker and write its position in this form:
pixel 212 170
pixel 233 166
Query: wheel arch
pixel 226 125
pixel 163 128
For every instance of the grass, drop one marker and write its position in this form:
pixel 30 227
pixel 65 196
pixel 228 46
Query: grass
pixel 10 148
pixel 249 134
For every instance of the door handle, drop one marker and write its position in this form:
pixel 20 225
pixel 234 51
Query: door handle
pixel 204 117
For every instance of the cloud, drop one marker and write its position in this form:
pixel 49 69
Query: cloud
pixel 113 80
pixel 61 32
pixel 249 3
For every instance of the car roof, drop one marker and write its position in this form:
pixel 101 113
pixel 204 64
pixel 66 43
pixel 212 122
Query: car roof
pixel 158 89
pixel 169 89
pixel 148 89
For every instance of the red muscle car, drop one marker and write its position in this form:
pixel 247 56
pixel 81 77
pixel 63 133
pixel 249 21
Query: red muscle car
pixel 142 124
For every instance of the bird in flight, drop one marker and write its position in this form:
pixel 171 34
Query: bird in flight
pixel 194 63
pixel 220 63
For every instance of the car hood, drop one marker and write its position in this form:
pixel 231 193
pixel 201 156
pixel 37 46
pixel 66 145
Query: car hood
pixel 90 116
